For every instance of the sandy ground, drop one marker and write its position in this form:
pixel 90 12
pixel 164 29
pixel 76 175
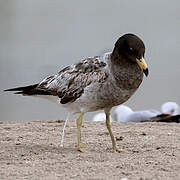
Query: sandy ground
pixel 32 151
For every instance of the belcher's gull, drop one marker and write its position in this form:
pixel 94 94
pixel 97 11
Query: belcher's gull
pixel 96 83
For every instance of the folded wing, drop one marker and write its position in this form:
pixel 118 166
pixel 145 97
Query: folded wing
pixel 70 82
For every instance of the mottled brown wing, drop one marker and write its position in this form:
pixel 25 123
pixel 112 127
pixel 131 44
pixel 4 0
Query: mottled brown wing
pixel 69 83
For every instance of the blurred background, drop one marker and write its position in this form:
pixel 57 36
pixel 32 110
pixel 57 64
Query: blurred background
pixel 40 37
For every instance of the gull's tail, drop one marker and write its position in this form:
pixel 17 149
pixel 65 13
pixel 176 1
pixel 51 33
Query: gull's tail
pixel 29 90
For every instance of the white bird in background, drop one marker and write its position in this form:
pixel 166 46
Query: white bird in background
pixel 124 113
pixel 101 117
pixel 139 116
pixel 171 108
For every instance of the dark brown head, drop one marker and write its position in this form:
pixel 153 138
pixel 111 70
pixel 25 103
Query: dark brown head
pixel 131 48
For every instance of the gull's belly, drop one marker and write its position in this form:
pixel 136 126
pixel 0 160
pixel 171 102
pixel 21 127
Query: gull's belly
pixel 100 97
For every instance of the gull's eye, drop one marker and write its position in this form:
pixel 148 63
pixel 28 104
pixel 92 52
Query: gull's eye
pixel 131 49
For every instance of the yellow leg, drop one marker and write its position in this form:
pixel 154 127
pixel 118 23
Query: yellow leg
pixel 79 124
pixel 108 125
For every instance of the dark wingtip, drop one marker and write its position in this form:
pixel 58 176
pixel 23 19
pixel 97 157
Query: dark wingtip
pixel 23 88
pixel 14 89
pixel 29 90
pixel 5 90
pixel 18 92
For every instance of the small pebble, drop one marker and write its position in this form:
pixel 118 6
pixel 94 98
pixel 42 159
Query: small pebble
pixel 120 138
pixel 144 134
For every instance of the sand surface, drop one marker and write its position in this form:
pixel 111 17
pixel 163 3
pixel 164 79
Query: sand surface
pixel 32 151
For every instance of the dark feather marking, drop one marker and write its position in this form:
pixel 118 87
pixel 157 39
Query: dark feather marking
pixel 165 118
pixel 67 99
pixel 64 70
pixel 71 97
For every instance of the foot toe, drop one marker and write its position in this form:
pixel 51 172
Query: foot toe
pixel 80 149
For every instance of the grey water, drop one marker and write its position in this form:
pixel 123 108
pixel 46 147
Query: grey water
pixel 40 37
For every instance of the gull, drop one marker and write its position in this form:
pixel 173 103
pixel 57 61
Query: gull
pixel 96 83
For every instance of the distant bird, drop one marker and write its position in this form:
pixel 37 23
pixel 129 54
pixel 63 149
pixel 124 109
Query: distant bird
pixel 170 112
pixel 96 83
pixel 171 108
pixel 124 113
pixel 139 116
